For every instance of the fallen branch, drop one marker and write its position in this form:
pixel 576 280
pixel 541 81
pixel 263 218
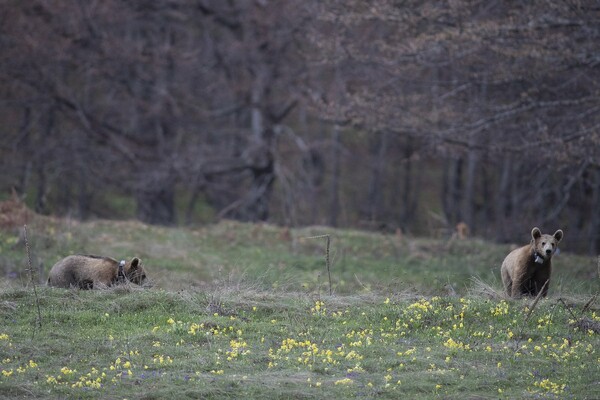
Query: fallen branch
pixel 31 277
pixel 327 262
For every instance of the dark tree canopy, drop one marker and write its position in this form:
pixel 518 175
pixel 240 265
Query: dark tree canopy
pixel 413 115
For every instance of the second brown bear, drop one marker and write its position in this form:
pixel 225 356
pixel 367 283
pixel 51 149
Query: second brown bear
pixel 88 272
pixel 527 270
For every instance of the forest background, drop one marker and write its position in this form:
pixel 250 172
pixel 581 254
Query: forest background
pixel 408 116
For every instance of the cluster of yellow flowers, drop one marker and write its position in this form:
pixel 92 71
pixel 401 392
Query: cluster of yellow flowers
pixel 548 386
pixel 449 326
pixel 20 369
pixel 162 359
pixel 422 305
pixel 5 338
pixel 544 321
pixel 305 352
pixel 360 338
pixel 319 309
pixel 452 344
pixel 93 379
pixel 237 348
pixel 344 381
pixel 562 350
pixel 499 309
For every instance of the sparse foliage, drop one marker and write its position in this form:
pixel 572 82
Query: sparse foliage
pixel 387 112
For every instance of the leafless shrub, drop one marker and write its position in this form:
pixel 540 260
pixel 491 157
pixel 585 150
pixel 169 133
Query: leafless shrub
pixel 586 324
pixel 483 289
pixel 14 212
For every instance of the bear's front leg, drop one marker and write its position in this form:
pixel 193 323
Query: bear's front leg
pixel 516 289
pixel 507 281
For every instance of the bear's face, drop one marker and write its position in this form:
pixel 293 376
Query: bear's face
pixel 135 272
pixel 545 245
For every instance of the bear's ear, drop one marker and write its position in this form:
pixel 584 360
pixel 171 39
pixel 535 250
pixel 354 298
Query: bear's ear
pixel 536 233
pixel 558 235
pixel 135 262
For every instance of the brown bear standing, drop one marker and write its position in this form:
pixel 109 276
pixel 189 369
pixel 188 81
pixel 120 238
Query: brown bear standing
pixel 87 272
pixel 526 270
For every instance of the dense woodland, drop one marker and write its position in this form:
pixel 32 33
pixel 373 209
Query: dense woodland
pixel 394 115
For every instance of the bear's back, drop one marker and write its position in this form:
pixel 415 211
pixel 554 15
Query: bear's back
pixel 83 271
pixel 517 260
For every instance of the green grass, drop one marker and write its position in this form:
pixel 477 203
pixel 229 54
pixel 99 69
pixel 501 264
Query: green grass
pixel 243 311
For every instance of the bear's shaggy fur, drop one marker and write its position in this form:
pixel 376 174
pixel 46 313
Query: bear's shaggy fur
pixel 87 272
pixel 527 269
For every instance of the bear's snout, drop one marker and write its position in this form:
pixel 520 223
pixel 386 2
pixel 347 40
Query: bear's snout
pixel 548 252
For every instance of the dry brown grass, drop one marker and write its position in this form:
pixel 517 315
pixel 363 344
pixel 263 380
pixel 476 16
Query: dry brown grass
pixel 483 289
pixel 14 213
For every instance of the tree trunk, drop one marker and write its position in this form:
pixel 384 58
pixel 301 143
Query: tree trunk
pixel 42 190
pixel 487 201
pixel 503 200
pixel 156 205
pixel 468 210
pixel 374 203
pixel 314 169
pixel 409 190
pixel 260 193
pixel 594 233
pixel 259 155
pixel 452 190
pixel 84 195
pixel 42 184
pixel 254 206
pixel 334 205
pixel 191 205
pixel 22 146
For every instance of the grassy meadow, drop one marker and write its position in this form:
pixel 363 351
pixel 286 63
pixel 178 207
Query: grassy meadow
pixel 245 311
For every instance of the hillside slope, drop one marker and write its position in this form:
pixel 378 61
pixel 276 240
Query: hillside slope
pixel 243 311
pixel 275 257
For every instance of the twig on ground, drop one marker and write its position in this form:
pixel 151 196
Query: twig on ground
pixel 560 300
pixel 30 269
pixel 529 312
pixel 537 298
pixel 327 262
pixel 589 303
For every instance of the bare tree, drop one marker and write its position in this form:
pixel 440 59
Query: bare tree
pixel 479 112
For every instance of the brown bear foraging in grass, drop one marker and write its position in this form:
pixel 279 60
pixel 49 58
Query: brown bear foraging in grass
pixel 527 269
pixel 87 272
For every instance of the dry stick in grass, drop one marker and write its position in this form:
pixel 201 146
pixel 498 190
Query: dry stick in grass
pixel 582 323
pixel 327 263
pixel 533 305
pixel 30 269
pixel 589 303
pixel 560 300
pixel 537 298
